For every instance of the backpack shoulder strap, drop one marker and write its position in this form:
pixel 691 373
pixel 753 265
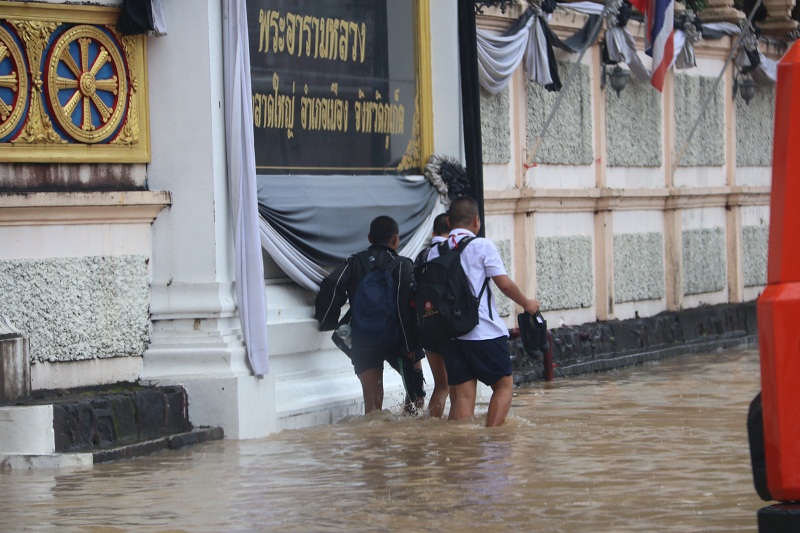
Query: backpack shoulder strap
pixel 361 267
pixel 460 245
pixel 363 260
pixel 460 248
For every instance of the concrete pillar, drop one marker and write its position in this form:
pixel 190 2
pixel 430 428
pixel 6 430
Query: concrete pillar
pixel 15 366
pixel 196 335
pixel 779 19
pixel 721 11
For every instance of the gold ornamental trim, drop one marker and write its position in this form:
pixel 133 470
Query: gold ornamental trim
pixel 85 86
pixel 16 81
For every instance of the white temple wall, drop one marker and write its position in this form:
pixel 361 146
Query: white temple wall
pixel 622 226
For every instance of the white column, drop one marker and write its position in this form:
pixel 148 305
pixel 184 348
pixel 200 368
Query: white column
pixel 196 337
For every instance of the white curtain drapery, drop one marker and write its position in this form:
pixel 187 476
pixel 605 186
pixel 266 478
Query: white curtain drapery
pixel 249 266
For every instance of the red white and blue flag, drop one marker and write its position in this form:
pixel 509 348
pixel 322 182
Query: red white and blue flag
pixel 658 20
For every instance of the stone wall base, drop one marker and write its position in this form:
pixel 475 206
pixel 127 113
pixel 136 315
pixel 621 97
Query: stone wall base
pixel 613 344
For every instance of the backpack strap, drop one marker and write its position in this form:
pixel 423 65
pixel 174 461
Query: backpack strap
pixel 361 267
pixel 460 245
pixel 363 259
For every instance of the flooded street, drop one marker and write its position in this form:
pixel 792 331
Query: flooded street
pixel 659 447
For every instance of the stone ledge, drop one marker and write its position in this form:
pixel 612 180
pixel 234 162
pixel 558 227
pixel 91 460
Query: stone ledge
pixel 42 208
pixel 83 460
pixel 49 460
pixel 601 346
pixel 169 442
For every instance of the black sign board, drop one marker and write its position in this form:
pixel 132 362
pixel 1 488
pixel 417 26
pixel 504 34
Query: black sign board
pixel 334 86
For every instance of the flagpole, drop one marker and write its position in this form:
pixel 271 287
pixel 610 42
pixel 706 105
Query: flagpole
pixel 713 90
pixel 538 141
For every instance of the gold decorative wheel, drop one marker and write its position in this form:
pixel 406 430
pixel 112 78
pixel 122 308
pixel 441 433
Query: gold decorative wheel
pixel 87 85
pixel 13 84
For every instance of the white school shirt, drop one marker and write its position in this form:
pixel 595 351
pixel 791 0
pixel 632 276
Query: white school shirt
pixel 480 259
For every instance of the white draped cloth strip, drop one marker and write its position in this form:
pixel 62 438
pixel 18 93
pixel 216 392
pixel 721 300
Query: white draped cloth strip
pixel 249 266
pixel 500 55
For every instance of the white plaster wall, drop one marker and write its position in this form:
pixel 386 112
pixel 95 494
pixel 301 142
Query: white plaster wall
pixel 754 176
pixel 699 177
pixel 638 221
pixel 192 240
pixel 560 176
pixel 447 132
pixel 74 240
pixel 634 178
pixel 703 218
pixel 499 177
pixel 755 215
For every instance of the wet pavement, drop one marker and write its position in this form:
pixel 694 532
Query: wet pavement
pixel 657 447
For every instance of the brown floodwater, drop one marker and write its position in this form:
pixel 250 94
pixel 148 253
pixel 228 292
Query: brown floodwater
pixel 657 447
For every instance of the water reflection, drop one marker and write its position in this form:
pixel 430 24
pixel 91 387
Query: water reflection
pixel 660 447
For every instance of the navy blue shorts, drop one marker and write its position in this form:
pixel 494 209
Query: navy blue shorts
pixel 434 346
pixel 488 361
pixel 365 359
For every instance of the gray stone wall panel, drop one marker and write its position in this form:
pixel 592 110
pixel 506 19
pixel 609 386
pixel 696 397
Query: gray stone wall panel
pixel 633 126
pixel 564 273
pixel 638 267
pixel 707 146
pixel 754 129
pixel 754 255
pixel 495 129
pixel 78 308
pixel 504 304
pixel 568 140
pixel 704 264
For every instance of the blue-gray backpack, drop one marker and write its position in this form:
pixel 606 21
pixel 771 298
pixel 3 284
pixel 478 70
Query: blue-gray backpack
pixel 374 321
pixel 444 303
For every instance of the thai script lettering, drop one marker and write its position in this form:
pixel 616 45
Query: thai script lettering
pixel 327 114
pixel 317 37
pixel 274 110
pixel 378 117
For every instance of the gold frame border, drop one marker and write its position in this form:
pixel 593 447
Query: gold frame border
pixel 83 153
pixel 425 81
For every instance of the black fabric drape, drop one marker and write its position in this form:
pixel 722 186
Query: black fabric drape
pixel 471 101
pixel 576 42
pixel 136 17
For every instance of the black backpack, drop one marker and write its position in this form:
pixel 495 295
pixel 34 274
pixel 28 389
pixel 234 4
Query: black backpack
pixel 444 303
pixel 374 321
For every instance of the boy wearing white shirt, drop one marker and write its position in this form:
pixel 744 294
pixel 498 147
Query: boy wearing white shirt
pixel 482 354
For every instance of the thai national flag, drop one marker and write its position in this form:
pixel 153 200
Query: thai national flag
pixel 658 22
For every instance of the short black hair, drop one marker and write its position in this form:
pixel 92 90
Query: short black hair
pixel 462 211
pixel 440 224
pixel 382 230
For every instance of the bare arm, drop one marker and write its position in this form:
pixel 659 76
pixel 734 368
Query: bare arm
pixel 510 289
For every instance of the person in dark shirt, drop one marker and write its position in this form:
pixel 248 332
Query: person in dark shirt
pixel 367 358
